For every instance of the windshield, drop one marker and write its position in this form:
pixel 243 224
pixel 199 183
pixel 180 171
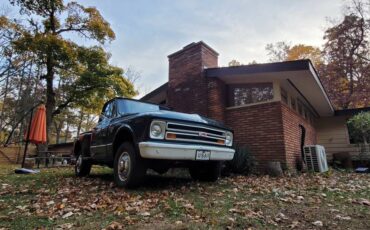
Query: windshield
pixel 128 106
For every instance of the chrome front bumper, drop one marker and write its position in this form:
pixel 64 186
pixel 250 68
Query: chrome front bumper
pixel 155 150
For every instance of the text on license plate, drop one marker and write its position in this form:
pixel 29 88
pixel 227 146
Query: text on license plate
pixel 202 155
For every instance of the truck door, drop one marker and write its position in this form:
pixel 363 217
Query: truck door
pixel 100 140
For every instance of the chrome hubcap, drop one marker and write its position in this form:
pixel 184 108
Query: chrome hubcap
pixel 79 163
pixel 124 166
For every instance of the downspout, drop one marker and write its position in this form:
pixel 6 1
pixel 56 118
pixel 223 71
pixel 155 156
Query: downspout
pixel 303 136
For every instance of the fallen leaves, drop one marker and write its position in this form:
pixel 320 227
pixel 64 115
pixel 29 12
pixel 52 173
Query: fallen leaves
pixel 362 201
pixel 302 201
pixel 114 226
pixel 50 203
pixel 318 223
pixel 68 214
pixel 339 217
pixel 145 214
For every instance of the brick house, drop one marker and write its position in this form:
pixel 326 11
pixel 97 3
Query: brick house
pixel 273 108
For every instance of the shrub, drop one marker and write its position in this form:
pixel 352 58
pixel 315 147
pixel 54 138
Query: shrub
pixel 242 163
pixel 359 127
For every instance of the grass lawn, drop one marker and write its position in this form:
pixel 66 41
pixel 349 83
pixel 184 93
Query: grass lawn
pixel 56 199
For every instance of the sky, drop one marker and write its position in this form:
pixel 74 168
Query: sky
pixel 147 31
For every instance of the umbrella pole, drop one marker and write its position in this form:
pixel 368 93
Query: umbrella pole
pixel 27 139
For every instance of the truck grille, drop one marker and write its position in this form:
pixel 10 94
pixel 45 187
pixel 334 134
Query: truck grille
pixel 194 133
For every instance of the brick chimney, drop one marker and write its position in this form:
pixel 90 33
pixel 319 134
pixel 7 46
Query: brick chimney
pixel 187 85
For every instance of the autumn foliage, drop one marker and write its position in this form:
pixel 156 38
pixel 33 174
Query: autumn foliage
pixel 343 63
pixel 346 71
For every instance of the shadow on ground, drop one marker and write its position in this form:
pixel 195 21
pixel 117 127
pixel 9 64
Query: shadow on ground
pixel 153 181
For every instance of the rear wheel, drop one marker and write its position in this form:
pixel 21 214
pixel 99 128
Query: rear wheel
pixel 205 171
pixel 82 166
pixel 129 169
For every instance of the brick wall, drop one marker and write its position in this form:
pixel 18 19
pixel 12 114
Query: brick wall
pixel 292 135
pixel 187 85
pixel 217 99
pixel 260 127
pixel 271 130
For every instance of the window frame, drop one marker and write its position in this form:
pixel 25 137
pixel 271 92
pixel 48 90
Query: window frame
pixel 293 103
pixel 111 106
pixel 284 94
pixel 232 87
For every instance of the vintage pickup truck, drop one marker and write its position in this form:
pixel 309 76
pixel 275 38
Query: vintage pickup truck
pixel 132 136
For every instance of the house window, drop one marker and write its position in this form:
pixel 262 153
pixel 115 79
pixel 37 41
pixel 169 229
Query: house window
pixel 284 96
pixel 250 93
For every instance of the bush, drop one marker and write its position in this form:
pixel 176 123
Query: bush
pixel 242 163
pixel 359 128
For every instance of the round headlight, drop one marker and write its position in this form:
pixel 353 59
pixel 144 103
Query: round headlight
pixel 229 139
pixel 156 130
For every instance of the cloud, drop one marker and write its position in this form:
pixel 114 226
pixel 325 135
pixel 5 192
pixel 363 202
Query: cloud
pixel 147 31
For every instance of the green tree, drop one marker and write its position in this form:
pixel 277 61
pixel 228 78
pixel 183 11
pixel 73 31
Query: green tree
pixel 82 74
pixel 360 127
pixel 234 63
pixel 359 130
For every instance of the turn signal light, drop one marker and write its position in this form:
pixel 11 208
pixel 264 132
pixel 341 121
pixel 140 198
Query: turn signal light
pixel 171 136
pixel 221 142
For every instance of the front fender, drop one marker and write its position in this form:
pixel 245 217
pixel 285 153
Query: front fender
pixel 125 128
pixel 124 133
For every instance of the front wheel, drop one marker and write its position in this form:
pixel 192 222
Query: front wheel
pixel 205 171
pixel 82 167
pixel 129 169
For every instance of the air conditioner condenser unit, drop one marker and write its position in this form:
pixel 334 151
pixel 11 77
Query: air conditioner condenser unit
pixel 315 158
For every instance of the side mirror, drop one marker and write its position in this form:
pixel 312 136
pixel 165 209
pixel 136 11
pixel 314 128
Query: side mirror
pixel 101 117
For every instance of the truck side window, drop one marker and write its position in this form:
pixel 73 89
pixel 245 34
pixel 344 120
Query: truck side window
pixel 114 109
pixel 108 112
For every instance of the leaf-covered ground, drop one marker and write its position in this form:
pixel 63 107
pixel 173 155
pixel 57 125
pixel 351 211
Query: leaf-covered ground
pixel 56 199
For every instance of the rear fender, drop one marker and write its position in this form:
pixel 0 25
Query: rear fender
pixel 82 145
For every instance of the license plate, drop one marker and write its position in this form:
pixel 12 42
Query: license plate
pixel 202 155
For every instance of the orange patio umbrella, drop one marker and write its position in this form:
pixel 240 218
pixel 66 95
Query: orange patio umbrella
pixel 37 130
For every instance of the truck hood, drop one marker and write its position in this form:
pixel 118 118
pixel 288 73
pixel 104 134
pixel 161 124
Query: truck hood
pixel 194 118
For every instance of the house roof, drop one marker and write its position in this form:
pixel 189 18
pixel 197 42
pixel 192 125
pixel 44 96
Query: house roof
pixel 160 90
pixel 259 68
pixel 300 74
pixel 351 112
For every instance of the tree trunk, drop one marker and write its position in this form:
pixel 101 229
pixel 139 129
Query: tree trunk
pixel 366 146
pixel 57 132
pixel 4 100
pixel 57 137
pixel 67 131
pixel 81 117
pixel 50 95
